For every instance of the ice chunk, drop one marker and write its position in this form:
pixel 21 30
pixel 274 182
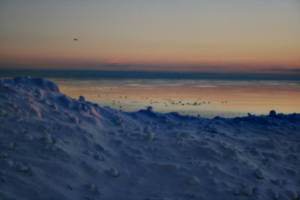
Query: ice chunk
pixel 276 182
pixel 3 113
pixel 150 136
pixel 236 192
pixel 247 190
pixel 99 157
pixel 27 138
pixel 81 98
pixel 90 186
pixel 194 180
pixel 274 195
pixel 149 108
pixel 66 101
pixel 258 174
pixel 272 113
pixel 22 168
pixel 47 138
pixel 8 145
pixel 114 172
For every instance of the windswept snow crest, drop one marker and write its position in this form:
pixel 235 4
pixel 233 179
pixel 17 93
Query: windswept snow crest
pixel 55 147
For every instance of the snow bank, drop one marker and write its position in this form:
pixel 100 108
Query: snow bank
pixel 56 147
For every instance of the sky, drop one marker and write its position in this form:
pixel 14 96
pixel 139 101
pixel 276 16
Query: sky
pixel 245 36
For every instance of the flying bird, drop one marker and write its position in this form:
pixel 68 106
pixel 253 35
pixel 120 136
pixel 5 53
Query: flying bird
pixel 75 39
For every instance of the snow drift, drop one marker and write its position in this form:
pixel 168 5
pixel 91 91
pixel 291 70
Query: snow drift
pixel 55 147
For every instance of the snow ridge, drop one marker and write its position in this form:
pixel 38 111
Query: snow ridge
pixel 55 147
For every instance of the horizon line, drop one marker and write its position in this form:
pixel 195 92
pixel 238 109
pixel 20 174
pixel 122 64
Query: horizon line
pixel 136 74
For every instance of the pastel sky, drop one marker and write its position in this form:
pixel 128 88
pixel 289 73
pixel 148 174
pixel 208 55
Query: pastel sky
pixel 170 35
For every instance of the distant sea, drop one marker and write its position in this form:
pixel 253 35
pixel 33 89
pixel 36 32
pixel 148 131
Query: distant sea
pixel 92 74
pixel 205 94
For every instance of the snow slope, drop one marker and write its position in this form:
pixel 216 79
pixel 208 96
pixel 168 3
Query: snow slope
pixel 55 147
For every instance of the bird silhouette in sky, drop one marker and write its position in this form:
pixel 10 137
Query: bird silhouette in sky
pixel 75 39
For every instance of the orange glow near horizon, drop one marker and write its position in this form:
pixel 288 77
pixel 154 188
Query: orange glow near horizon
pixel 212 65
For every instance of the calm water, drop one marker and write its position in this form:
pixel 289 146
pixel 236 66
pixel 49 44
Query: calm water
pixel 208 98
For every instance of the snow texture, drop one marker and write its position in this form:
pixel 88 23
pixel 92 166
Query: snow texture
pixel 55 147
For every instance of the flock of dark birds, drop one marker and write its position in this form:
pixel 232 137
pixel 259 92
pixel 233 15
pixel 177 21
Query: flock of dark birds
pixel 165 102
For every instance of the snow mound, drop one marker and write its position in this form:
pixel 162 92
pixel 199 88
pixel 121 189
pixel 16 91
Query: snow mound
pixel 56 147
pixel 37 82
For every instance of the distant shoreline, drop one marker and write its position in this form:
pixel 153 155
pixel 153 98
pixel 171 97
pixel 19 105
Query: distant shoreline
pixel 94 74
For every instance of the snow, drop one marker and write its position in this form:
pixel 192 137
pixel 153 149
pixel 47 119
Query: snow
pixel 56 147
